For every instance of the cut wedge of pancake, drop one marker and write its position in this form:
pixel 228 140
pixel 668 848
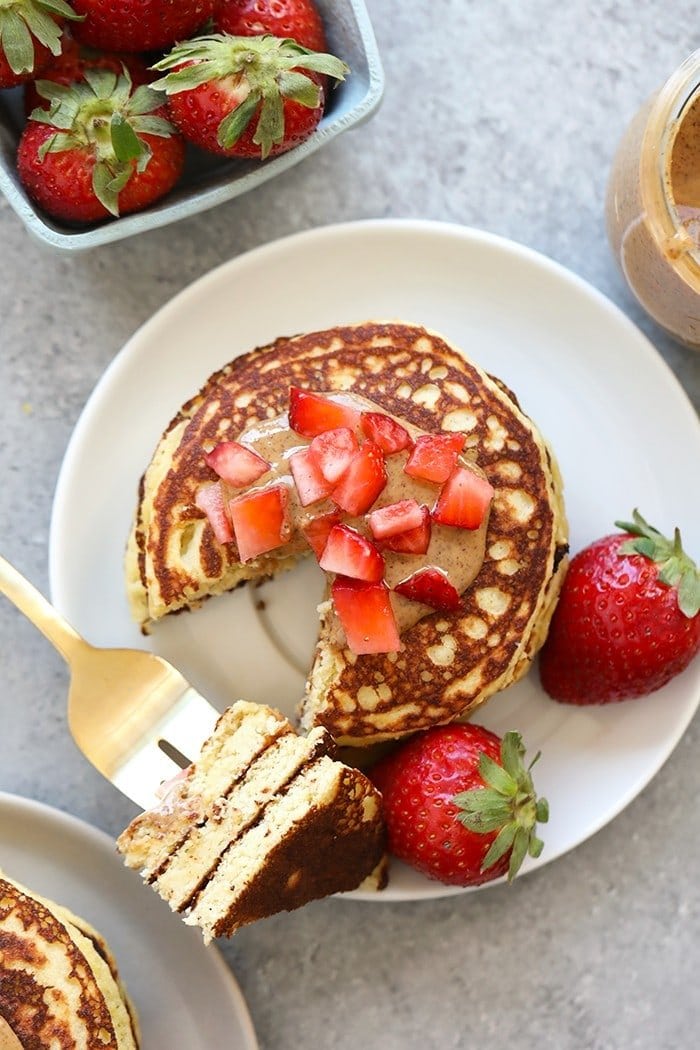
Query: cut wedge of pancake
pixel 59 984
pixel 449 663
pixel 264 821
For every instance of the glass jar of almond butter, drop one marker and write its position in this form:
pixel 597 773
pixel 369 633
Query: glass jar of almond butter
pixel 653 204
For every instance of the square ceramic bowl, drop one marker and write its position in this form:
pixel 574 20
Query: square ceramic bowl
pixel 209 180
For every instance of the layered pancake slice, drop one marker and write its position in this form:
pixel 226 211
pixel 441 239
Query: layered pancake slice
pixel 58 979
pixel 264 821
pixel 446 663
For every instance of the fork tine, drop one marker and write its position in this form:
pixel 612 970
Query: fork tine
pixel 136 777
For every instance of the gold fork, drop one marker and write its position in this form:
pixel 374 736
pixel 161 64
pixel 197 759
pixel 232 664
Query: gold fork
pixel 130 712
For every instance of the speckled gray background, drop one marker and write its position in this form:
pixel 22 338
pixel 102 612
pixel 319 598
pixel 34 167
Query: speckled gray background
pixel 500 115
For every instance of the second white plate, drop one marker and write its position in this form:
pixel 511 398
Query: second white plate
pixel 184 993
pixel 623 431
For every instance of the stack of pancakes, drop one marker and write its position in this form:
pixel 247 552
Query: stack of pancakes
pixel 59 985
pixel 450 663
pixel 264 821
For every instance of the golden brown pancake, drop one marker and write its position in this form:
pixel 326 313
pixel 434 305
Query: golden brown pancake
pixel 59 987
pixel 450 663
pixel 264 821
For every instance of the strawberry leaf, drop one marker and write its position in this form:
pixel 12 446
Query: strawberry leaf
pixel 521 844
pixel 102 81
pixel 144 159
pixel 60 8
pixel 483 810
pixel 512 754
pixel 322 63
pixel 16 42
pixel 689 594
pixel 152 126
pixel 497 776
pixel 51 90
pixel 270 128
pixel 535 847
pixel 300 89
pixel 41 25
pixel 232 126
pixel 107 185
pixel 125 142
pixel 183 79
pixel 57 143
pixel 643 545
pixel 500 845
pixel 145 100
pixel 64 106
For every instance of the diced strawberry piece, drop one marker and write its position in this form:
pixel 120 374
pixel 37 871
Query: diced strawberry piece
pixel 362 482
pixel 396 518
pixel 210 499
pixel 348 553
pixel 260 521
pixel 318 530
pixel 385 432
pixel 463 500
pixel 333 451
pixel 431 587
pixel 310 414
pixel 236 464
pixel 414 541
pixel 434 456
pixel 364 610
pixel 310 482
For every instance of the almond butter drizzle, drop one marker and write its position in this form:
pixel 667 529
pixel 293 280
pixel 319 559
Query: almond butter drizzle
pixel 458 552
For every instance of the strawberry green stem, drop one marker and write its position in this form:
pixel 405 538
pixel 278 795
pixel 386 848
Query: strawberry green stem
pixel 261 73
pixel 508 804
pixel 103 115
pixel 676 569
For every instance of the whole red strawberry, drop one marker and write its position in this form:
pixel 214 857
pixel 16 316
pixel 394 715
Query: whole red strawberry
pixel 71 64
pixel 298 20
pixel 30 33
pixel 246 96
pixel 139 25
pixel 101 150
pixel 627 619
pixel 460 805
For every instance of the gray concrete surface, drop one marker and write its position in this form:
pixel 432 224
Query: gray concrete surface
pixel 499 115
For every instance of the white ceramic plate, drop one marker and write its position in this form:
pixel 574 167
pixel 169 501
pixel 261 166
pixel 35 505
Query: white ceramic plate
pixel 184 993
pixel 623 430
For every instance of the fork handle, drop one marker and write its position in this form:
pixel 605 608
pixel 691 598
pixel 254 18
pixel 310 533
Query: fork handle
pixel 37 609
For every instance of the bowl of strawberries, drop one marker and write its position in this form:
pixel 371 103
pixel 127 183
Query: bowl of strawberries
pixel 117 118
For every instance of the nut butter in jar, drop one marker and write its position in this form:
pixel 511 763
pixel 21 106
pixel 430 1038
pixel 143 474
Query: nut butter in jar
pixel 653 204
